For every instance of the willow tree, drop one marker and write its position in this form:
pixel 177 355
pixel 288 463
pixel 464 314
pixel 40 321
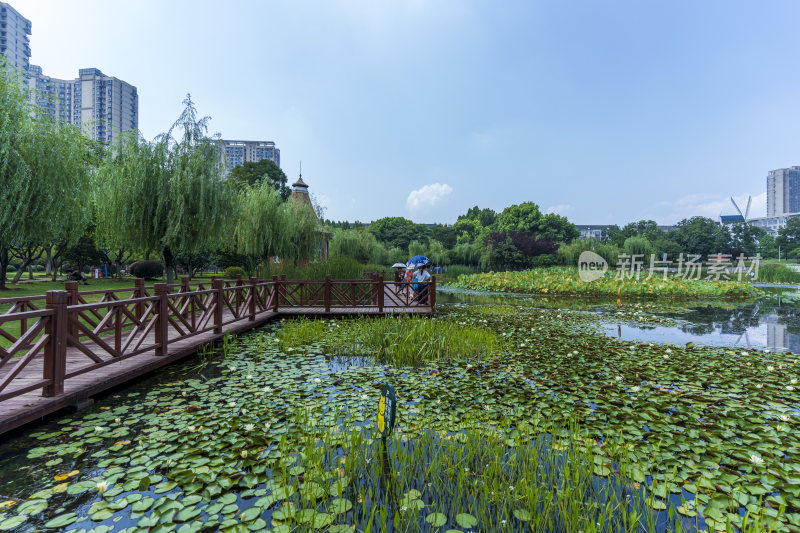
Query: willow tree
pixel 263 224
pixel 169 195
pixel 305 231
pixel 45 175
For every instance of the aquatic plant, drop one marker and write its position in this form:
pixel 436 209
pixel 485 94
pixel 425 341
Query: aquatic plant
pixel 400 340
pixel 565 281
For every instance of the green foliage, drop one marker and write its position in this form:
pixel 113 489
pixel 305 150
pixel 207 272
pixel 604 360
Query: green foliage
pixel 335 267
pixel 44 172
pixel 169 195
pixel 774 273
pixel 638 246
pixel 397 231
pixel 566 281
pixel 359 244
pixel 484 217
pixel 523 218
pixel 263 225
pixel 789 236
pixel 700 235
pixel 400 340
pixel 233 271
pixel 146 269
pixel 253 173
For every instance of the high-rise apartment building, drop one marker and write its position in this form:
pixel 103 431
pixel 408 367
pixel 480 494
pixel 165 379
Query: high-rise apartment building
pixel 50 96
pixel 103 106
pixel 14 41
pixel 239 152
pixel 783 191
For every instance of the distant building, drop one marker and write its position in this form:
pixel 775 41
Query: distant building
pixel 599 232
pixel 103 106
pixel 240 152
pixel 14 41
pixel 783 191
pixel 772 224
pixel 593 231
pixel 51 96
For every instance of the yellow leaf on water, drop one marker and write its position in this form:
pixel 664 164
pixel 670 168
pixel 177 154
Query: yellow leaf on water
pixel 61 487
pixel 65 475
pixel 7 504
pixel 106 408
pixel 122 443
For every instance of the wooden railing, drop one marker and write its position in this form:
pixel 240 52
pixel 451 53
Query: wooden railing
pixel 128 322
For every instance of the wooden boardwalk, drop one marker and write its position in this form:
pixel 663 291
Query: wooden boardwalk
pixel 61 350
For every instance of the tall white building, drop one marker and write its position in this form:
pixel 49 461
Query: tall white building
pixel 103 106
pixel 14 41
pixel 239 152
pixel 783 191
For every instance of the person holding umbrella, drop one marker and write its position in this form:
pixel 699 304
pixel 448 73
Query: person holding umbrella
pixel 421 280
pixel 415 262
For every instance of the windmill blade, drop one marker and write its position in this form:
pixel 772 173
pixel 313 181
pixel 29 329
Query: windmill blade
pixel 747 209
pixel 736 206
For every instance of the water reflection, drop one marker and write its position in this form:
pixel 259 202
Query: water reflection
pixel 770 322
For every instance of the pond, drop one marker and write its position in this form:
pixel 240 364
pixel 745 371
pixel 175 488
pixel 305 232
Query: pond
pixel 583 407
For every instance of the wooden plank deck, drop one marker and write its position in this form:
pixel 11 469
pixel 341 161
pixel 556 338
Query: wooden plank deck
pixel 30 406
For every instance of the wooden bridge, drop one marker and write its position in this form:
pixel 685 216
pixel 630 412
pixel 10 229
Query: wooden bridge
pixel 57 349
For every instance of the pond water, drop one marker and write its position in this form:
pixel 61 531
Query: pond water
pixel 151 442
pixel 771 323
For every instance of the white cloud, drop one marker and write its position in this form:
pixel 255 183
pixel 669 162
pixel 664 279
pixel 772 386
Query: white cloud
pixel 428 196
pixel 560 209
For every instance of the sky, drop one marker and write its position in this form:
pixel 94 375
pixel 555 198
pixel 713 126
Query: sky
pixel 605 112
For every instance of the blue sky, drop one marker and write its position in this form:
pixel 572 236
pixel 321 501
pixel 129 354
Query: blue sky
pixel 606 112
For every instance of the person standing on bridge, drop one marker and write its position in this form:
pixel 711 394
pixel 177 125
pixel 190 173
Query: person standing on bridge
pixel 421 280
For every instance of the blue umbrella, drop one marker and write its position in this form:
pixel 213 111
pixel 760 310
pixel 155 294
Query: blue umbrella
pixel 418 260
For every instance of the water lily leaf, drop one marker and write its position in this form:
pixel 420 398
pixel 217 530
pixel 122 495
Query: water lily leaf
pixel 522 515
pixel 466 520
pixel 436 519
pixel 341 528
pixel 32 507
pixel 103 514
pixel 340 505
pixel 61 521
pixel 251 514
pixel 10 523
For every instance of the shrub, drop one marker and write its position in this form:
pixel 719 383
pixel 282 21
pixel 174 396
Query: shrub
pixel 146 269
pixel 233 272
pixel 11 268
pixel 37 268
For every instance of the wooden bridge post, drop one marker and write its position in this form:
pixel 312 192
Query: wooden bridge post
pixel 185 284
pixel 162 320
pixel 282 287
pixel 73 299
pixel 55 350
pixel 432 294
pixel 139 292
pixel 238 290
pixel 217 285
pixel 326 295
pixel 275 293
pixel 253 297
pixel 380 293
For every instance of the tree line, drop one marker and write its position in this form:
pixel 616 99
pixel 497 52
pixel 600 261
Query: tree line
pixel 66 198
pixel 521 236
